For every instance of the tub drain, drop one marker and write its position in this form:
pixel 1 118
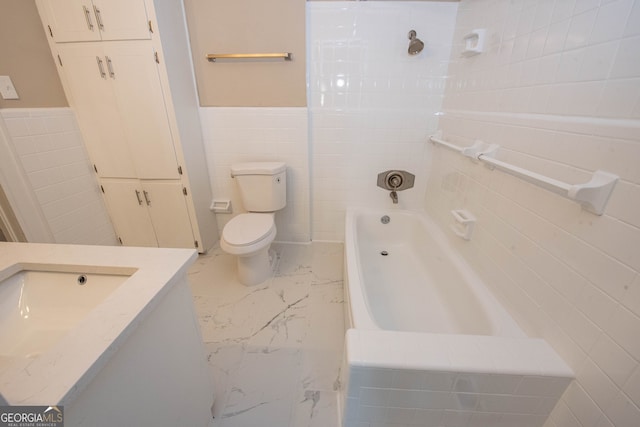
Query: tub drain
pixel 384 253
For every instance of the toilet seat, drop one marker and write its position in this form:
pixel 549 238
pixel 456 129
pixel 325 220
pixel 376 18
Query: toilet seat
pixel 247 233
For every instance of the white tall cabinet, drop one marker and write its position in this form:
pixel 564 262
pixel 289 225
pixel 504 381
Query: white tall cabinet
pixel 127 72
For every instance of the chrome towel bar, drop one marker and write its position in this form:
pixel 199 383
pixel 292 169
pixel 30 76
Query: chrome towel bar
pixel 284 55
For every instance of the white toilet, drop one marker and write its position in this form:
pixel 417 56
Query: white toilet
pixel 263 189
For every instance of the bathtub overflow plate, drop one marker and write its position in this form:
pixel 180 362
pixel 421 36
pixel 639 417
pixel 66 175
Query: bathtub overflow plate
pixel 385 219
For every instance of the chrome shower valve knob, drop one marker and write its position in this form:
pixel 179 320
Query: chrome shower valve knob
pixel 394 181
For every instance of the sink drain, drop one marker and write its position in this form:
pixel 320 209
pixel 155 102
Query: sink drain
pixel 384 253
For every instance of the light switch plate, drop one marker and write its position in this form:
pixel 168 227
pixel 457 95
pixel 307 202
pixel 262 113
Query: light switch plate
pixel 7 89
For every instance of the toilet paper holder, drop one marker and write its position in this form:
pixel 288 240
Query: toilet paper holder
pixel 221 206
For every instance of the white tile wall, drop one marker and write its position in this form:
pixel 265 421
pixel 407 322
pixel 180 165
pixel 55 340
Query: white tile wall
pixel 50 148
pixel 234 135
pixel 558 89
pixel 371 104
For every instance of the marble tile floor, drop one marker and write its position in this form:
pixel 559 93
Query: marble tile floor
pixel 275 348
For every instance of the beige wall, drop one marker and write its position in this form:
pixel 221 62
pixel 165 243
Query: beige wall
pixel 249 26
pixel 26 58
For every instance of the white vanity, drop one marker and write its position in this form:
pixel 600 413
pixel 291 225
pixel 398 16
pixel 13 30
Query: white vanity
pixel 110 333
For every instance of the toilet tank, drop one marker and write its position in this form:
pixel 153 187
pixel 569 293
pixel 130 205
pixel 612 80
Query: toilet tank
pixel 263 185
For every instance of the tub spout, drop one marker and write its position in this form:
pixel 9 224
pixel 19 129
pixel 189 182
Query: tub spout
pixel 394 197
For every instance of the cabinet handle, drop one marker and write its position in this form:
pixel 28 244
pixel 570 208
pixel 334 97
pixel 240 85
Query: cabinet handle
pixel 138 197
pixel 98 17
pixel 87 16
pixel 101 67
pixel 112 74
pixel 146 197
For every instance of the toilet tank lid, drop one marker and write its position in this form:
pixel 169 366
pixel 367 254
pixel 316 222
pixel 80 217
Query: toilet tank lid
pixel 258 168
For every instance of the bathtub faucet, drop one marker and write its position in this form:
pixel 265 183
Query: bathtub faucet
pixel 394 197
pixel 394 181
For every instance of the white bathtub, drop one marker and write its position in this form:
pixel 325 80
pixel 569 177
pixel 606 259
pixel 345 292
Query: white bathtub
pixel 108 333
pixel 427 343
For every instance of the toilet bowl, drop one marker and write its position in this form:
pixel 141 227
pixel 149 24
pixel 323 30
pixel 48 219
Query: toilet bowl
pixel 248 236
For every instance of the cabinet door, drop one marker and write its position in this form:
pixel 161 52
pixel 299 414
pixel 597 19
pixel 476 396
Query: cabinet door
pixel 121 19
pixel 143 114
pixel 169 214
pixel 71 20
pixel 128 212
pixel 86 71
pixel 84 20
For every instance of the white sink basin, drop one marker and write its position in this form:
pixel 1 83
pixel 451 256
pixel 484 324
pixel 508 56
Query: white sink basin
pixel 38 307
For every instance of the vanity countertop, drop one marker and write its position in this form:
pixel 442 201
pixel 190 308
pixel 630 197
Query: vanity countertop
pixel 59 374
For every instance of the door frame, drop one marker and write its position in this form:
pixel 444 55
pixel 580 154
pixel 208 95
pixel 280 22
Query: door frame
pixel 9 225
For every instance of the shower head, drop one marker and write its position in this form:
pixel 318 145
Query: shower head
pixel 415 44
